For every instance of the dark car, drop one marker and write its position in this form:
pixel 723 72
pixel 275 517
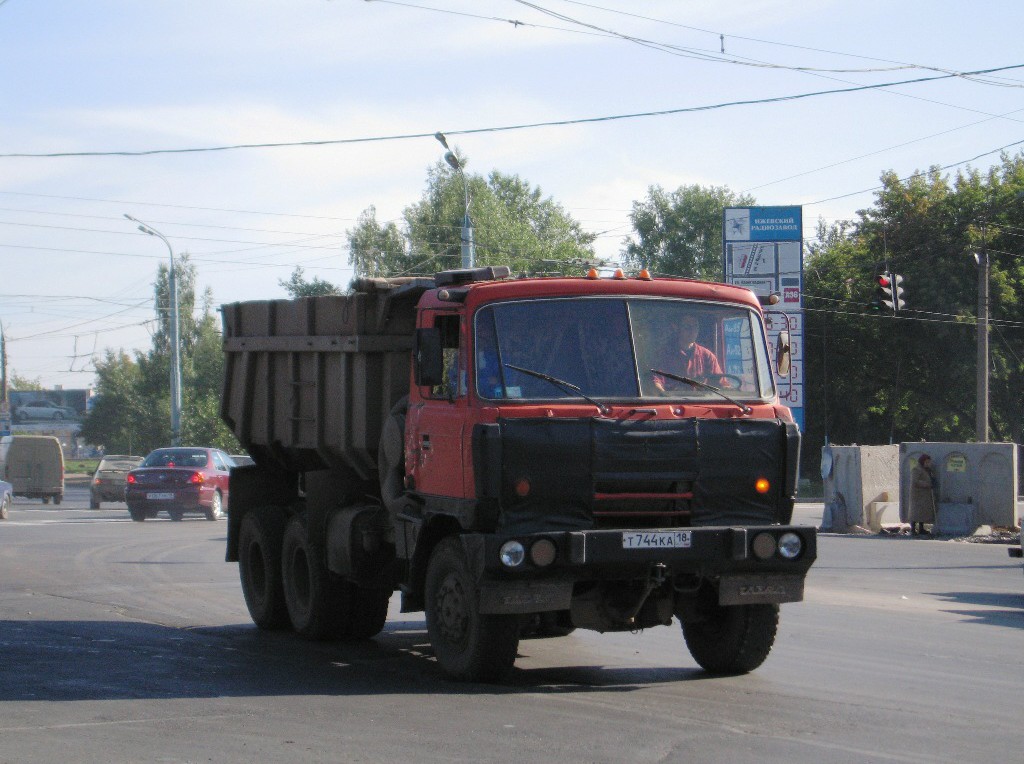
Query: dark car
pixel 179 480
pixel 6 497
pixel 109 480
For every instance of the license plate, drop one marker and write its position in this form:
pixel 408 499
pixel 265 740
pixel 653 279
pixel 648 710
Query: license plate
pixel 657 540
pixel 159 495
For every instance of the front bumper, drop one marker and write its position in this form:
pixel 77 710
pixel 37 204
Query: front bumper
pixel 746 568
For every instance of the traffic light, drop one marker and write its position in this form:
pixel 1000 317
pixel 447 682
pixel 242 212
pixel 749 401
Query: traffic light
pixel 897 293
pixel 883 293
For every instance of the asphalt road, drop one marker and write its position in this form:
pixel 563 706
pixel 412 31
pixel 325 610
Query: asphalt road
pixel 124 641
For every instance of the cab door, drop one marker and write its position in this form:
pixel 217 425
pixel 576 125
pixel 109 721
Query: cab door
pixel 436 421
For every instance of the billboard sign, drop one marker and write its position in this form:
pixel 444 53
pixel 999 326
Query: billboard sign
pixel 762 250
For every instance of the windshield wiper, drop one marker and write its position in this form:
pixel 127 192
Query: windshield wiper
pixel 563 384
pixel 716 390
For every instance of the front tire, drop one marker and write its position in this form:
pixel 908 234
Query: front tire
pixel 469 645
pixel 5 507
pixel 315 602
pixel 734 639
pixel 137 515
pixel 259 568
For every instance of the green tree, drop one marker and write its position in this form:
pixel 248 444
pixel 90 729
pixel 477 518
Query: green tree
pixel 376 250
pixel 122 418
pixel 298 286
pixel 514 225
pixel 875 378
pixel 679 233
pixel 19 382
pixel 132 408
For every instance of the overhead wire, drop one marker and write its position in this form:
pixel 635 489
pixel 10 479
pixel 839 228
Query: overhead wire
pixel 500 128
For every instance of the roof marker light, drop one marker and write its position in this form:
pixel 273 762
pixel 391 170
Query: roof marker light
pixel 644 275
pixel 619 274
pixel 592 273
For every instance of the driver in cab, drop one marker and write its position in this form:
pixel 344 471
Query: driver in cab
pixel 691 359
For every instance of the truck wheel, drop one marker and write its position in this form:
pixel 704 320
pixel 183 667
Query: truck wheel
pixel 138 515
pixel 46 500
pixel 259 567
pixel 5 506
pixel 734 639
pixel 367 613
pixel 469 646
pixel 315 603
pixel 57 498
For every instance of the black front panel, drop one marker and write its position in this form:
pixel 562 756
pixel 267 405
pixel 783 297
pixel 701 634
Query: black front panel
pixel 566 474
pixel 734 453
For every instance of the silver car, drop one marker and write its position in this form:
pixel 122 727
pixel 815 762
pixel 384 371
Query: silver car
pixel 43 410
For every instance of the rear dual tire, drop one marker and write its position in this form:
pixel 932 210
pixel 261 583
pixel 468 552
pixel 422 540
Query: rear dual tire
pixel 259 567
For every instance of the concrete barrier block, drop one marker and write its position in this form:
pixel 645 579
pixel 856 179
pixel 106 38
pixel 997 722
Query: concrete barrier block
pixel 881 511
pixel 954 520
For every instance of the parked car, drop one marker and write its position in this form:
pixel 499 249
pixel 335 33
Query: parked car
pixel 6 497
pixel 43 410
pixel 109 480
pixel 179 480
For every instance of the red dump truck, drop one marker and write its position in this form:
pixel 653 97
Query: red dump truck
pixel 516 457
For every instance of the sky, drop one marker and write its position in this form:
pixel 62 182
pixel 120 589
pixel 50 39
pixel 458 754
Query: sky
pixel 109 108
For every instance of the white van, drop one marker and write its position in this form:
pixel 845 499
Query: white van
pixel 34 465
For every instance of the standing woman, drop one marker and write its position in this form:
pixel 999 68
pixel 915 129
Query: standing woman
pixel 922 497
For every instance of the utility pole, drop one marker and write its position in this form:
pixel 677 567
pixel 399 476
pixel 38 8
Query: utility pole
pixel 175 342
pixel 5 409
pixel 981 418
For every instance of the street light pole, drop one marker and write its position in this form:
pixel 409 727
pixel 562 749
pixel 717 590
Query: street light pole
pixel 175 343
pixel 981 417
pixel 468 246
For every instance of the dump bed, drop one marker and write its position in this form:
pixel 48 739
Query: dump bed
pixel 309 382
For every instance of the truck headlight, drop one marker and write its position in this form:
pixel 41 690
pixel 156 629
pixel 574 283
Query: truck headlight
pixel 512 554
pixel 790 545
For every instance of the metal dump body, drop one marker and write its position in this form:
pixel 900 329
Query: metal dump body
pixel 309 382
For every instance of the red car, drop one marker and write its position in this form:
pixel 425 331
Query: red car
pixel 179 480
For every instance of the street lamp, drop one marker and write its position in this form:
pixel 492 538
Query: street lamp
pixel 468 250
pixel 175 344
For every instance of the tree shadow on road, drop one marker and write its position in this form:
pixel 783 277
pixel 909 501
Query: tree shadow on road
pixel 1000 608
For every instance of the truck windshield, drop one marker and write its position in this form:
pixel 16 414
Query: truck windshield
pixel 620 348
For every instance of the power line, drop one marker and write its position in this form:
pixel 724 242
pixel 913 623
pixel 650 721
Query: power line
pixel 506 128
pixel 917 174
pixel 721 35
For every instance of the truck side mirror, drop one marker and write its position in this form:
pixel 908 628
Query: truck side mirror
pixel 783 354
pixel 428 360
